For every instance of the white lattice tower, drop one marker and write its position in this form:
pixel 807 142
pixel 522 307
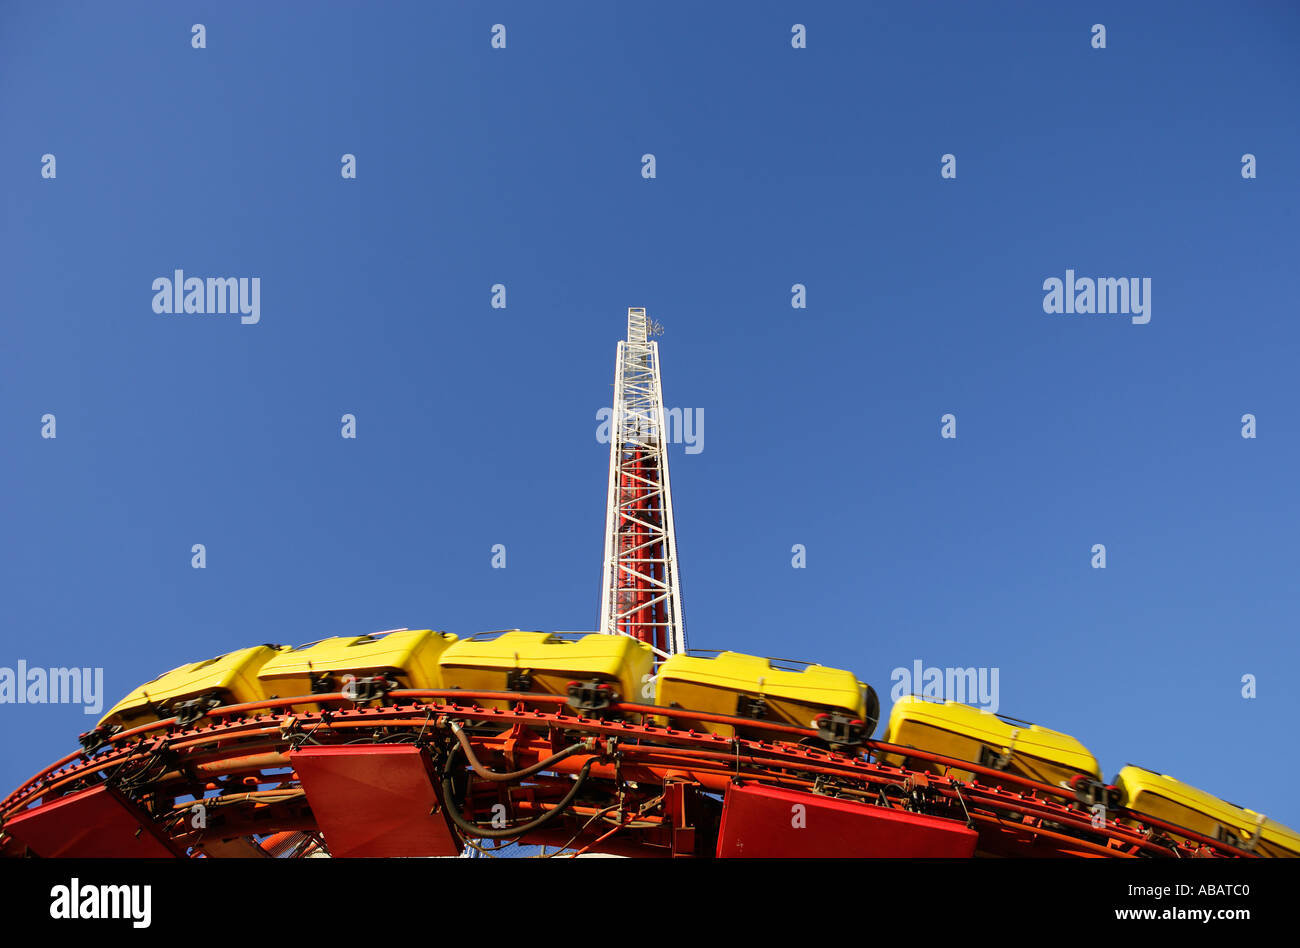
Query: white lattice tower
pixel 640 589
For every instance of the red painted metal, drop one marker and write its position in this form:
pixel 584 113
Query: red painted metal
pixel 637 592
pixel 99 823
pixel 1020 817
pixel 774 823
pixel 375 800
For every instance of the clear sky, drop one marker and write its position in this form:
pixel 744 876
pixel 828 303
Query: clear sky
pixel 774 166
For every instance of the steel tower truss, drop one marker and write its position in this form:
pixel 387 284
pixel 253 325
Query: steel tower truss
pixel 641 593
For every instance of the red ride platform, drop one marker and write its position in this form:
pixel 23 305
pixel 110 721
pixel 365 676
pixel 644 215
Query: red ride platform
pixel 98 823
pixel 768 823
pixel 375 800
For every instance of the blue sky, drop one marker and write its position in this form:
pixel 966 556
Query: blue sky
pixel 774 166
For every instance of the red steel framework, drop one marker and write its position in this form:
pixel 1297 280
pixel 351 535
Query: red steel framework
pixel 265 779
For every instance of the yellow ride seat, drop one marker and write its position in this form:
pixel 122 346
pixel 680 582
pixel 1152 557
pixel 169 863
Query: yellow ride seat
pixel 516 660
pixel 409 657
pixel 228 679
pixel 742 685
pixel 1153 794
pixel 982 737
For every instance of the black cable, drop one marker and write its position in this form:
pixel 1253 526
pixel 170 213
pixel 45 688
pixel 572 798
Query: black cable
pixel 516 774
pixel 459 819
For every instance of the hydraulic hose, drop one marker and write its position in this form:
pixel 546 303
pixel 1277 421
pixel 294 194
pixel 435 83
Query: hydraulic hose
pixel 514 774
pixel 459 819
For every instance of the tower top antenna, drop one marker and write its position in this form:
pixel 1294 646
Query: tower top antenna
pixel 641 327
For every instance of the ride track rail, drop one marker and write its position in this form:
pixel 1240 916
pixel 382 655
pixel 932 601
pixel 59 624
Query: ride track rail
pixel 634 777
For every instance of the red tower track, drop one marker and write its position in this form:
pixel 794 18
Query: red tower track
pixel 429 771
